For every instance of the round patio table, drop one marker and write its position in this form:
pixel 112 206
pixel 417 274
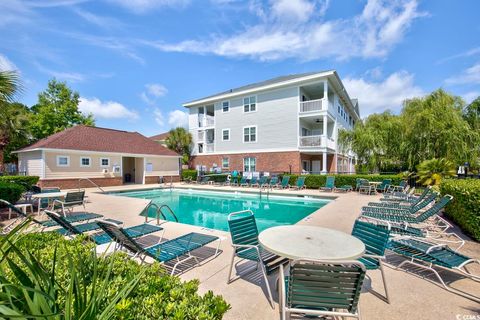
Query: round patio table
pixel 313 243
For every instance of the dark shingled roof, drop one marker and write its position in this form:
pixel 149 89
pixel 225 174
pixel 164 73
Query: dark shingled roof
pixel 161 136
pixel 101 140
pixel 263 83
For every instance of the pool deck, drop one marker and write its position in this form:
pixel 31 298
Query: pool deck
pixel 411 296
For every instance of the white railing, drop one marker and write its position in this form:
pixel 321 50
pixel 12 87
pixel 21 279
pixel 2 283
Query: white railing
pixel 316 141
pixel 311 105
pixel 209 148
pixel 201 135
pixel 206 121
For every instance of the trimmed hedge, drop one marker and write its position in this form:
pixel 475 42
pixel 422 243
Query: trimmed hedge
pixel 26 181
pixel 315 181
pixel 190 174
pixel 465 207
pixel 11 192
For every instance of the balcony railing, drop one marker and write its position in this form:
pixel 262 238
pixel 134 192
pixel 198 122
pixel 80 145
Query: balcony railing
pixel 201 135
pixel 316 141
pixel 206 121
pixel 312 105
pixel 209 148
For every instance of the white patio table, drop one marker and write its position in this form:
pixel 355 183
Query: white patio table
pixel 47 195
pixel 309 242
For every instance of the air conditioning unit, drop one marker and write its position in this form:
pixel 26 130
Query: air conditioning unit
pixel 105 170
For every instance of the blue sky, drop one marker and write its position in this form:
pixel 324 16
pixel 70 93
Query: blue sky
pixel 134 62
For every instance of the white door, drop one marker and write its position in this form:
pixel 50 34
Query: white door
pixel 316 166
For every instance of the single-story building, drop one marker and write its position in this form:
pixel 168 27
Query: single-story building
pixel 161 138
pixel 107 157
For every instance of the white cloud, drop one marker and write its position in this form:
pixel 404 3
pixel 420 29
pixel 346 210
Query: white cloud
pixel 6 64
pixel 144 6
pixel 159 118
pixel 101 21
pixel 468 76
pixel 106 110
pixel 378 96
pixel 372 33
pixel 178 118
pixel 153 92
pixel 468 53
pixel 470 96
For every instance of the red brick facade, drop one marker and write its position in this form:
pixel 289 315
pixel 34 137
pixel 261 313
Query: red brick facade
pixel 155 179
pixel 102 182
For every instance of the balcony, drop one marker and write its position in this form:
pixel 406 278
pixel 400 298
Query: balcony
pixel 206 121
pixel 313 105
pixel 201 136
pixel 210 147
pixel 313 142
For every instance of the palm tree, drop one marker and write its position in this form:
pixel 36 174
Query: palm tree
pixel 180 141
pixel 431 172
pixel 9 86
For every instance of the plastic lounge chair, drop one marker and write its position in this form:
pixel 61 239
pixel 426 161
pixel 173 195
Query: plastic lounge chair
pixel 263 183
pixel 244 182
pixel 402 209
pixel 259 182
pixel 400 203
pixel 344 188
pixel 162 252
pixel 424 254
pixel 273 183
pixel 244 232
pixel 329 184
pixel 405 197
pixel 72 200
pixel 376 240
pixel 321 288
pixel 102 238
pixel 383 187
pixel 86 227
pixel 401 187
pixel 253 182
pixel 300 184
pixel 284 183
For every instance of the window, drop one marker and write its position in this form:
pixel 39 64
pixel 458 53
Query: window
pixel 249 164
pixel 249 104
pixel 84 162
pixel 226 135
pixel 225 163
pixel 104 162
pixel 63 161
pixel 226 106
pixel 250 134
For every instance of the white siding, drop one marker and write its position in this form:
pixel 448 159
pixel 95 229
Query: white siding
pixel 31 162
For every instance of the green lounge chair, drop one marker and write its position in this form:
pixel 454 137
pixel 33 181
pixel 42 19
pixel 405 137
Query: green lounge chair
pixel 329 184
pixel 102 238
pixel 427 255
pixel 253 182
pixel 263 183
pixel 284 183
pixel 399 203
pixel 344 188
pixel 321 288
pixel 365 187
pixel 72 199
pixel 410 210
pixel 405 197
pixel 383 187
pixel 165 251
pixel 259 182
pixel 244 233
pixel 376 240
pixel 273 183
pixel 245 183
pixel 401 187
pixel 300 184
pixel 242 181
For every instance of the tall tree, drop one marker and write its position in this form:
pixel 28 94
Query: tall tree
pixel 56 110
pixel 9 86
pixel 14 120
pixel 180 141
pixel 471 114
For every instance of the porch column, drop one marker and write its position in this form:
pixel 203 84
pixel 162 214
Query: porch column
pixel 324 163
pixel 325 126
pixel 325 95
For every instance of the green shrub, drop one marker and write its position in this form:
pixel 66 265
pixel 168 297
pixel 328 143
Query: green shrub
pixel 218 177
pixel 26 181
pixel 151 294
pixel 465 207
pixel 11 192
pixel 189 174
pixel 315 181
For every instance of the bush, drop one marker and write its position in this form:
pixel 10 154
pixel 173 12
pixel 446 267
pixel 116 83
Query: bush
pixel 465 207
pixel 218 177
pixel 315 181
pixel 11 192
pixel 154 294
pixel 189 174
pixel 26 181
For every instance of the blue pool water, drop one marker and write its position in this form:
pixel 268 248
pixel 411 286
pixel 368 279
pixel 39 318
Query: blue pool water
pixel 210 208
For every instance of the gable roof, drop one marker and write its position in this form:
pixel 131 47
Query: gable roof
pixel 270 82
pixel 161 136
pixel 97 139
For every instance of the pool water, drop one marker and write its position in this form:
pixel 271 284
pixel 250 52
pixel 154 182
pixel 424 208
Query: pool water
pixel 210 209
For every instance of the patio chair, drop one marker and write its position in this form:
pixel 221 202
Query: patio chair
pixel 329 184
pixel 259 182
pixel 321 288
pixel 299 185
pixel 242 181
pixel 429 194
pixel 101 238
pixel 162 252
pixel 244 233
pixel 284 183
pixel 376 240
pixel 410 210
pixel 402 187
pixel 265 183
pixel 253 181
pixel 245 182
pixel 383 187
pixel 427 255
pixel 405 197
pixel 72 199
pixel 273 183
pixel 344 188
pixel 365 187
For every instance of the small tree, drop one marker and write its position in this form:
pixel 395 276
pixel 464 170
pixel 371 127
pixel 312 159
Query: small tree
pixel 56 110
pixel 431 172
pixel 180 141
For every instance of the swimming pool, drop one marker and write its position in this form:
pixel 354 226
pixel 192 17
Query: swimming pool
pixel 210 209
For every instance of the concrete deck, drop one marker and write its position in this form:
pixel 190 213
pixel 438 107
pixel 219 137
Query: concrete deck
pixel 411 296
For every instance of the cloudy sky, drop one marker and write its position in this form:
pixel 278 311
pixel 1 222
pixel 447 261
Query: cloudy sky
pixel 134 62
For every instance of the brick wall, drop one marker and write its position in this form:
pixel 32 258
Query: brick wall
pixel 74 183
pixel 266 161
pixel 166 179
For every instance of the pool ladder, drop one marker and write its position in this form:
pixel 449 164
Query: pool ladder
pixel 268 192
pixel 160 212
